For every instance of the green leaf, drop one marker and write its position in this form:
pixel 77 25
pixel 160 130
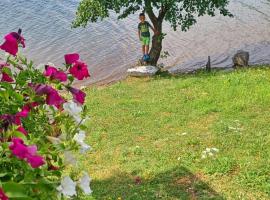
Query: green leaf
pixel 17 96
pixel 15 190
pixel 71 78
pixel 7 71
pixel 19 135
pixel 3 175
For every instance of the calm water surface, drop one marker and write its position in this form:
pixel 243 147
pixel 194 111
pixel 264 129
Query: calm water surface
pixel 111 46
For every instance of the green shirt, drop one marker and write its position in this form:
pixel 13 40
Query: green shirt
pixel 144 29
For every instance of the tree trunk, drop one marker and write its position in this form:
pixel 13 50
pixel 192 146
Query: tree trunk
pixel 156 45
pixel 157 38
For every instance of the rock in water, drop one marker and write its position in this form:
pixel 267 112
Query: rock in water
pixel 143 71
pixel 241 59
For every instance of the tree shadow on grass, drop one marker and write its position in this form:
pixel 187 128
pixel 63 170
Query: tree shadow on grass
pixel 178 183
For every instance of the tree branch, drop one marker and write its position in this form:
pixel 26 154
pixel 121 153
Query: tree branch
pixel 162 12
pixel 151 14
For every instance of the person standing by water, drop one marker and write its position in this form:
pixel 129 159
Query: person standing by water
pixel 144 36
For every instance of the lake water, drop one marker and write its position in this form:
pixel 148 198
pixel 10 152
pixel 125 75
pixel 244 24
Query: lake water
pixel 111 46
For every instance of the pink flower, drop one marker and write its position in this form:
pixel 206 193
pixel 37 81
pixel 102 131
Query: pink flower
pixel 78 95
pixel 3 196
pixel 7 120
pixel 12 41
pixel 41 89
pixel 71 58
pixel 79 70
pixel 60 75
pixel 25 111
pixel 49 71
pixel 22 130
pixel 54 73
pixel 19 149
pixel 27 153
pixel 35 161
pixel 52 96
pixel 6 78
pixel 23 114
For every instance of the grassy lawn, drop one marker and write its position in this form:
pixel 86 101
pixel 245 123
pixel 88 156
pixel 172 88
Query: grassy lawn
pixel 149 135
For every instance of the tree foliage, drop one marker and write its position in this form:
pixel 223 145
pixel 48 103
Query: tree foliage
pixel 179 13
pixel 182 13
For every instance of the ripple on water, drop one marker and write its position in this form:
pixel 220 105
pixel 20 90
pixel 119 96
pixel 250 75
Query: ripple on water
pixel 111 46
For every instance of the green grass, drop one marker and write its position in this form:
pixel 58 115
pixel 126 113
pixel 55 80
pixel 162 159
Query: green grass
pixel 137 127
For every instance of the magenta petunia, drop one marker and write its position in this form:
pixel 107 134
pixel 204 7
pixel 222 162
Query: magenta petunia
pixel 27 153
pixel 3 196
pixel 8 120
pixel 41 89
pixel 10 45
pixel 54 73
pixel 52 96
pixel 79 70
pixel 22 130
pixel 18 148
pixel 71 58
pixel 49 71
pixel 6 78
pixel 25 111
pixel 35 161
pixel 60 75
pixel 54 99
pixel 12 41
pixel 78 95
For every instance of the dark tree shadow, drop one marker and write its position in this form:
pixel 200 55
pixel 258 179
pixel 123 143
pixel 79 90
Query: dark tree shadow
pixel 178 183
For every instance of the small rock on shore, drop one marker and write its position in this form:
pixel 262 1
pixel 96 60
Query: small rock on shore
pixel 143 71
pixel 241 59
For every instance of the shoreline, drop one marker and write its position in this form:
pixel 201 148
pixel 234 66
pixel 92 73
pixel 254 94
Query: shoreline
pixel 109 82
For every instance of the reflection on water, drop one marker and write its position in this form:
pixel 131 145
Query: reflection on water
pixel 110 47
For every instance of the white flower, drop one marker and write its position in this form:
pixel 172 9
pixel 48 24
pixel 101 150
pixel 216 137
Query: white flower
pixel 6 55
pixel 85 147
pixel 78 119
pixel 209 152
pixel 184 134
pixel 40 67
pixel 84 183
pixel 74 110
pixel 67 187
pixel 79 138
pixel 215 149
pixel 54 140
pixel 69 158
pixel 51 64
pixel 82 87
pixel 63 136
